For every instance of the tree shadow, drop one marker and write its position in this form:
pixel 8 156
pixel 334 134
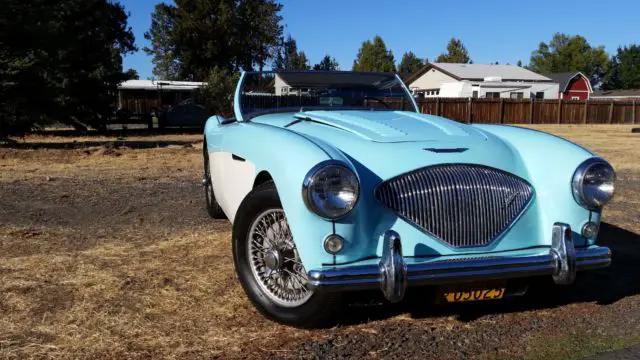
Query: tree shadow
pixel 119 139
pixel 602 286
pixel 71 145
pixel 122 132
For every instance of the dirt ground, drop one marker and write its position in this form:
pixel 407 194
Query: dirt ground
pixel 107 252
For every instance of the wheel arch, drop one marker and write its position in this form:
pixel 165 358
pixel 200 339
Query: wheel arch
pixel 262 177
pixel 284 157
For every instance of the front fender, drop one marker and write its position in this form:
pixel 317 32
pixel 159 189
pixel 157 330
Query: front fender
pixel 287 157
pixel 550 162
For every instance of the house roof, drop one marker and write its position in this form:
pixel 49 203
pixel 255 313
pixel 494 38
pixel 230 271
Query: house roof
pixel 478 72
pixel 612 94
pixel 565 78
pixel 159 84
pixel 500 84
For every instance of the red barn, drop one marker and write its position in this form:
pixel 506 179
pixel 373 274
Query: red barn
pixel 573 85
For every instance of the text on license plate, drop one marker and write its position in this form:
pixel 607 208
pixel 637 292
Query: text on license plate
pixel 460 295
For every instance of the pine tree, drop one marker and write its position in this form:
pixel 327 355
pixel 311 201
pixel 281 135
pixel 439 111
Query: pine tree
pixel 456 53
pixel 374 56
pixel 410 63
pixel 327 64
pixel 289 58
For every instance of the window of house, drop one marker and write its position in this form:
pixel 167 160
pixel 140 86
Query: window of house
pixel 475 94
pixel 575 98
pixel 517 95
pixel 540 95
pixel 492 95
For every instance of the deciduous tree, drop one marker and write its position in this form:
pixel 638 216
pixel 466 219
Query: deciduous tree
pixel 374 56
pixel 456 53
pixel 131 74
pixel 625 69
pixel 217 95
pixel 410 63
pixel 565 53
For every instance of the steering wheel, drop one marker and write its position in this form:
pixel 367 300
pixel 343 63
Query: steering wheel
pixel 386 106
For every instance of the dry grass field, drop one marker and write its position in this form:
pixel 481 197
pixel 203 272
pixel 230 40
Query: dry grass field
pixel 107 252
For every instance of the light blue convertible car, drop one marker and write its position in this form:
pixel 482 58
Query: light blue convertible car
pixel 334 182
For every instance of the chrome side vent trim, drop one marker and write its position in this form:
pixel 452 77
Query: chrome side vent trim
pixel 462 205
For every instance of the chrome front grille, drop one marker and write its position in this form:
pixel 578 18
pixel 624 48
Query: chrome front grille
pixel 462 205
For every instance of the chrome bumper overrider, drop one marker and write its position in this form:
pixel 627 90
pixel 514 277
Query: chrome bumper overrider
pixel 392 274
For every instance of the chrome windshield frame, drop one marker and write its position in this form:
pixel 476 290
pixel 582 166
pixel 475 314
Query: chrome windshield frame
pixel 237 103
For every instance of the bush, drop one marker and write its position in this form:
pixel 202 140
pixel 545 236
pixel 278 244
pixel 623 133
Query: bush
pixel 217 95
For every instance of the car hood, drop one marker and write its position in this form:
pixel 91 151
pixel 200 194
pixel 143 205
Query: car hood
pixel 389 143
pixel 388 126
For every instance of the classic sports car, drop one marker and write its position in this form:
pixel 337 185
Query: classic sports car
pixel 335 182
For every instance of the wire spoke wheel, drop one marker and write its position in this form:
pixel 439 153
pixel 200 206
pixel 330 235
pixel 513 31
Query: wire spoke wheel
pixel 274 260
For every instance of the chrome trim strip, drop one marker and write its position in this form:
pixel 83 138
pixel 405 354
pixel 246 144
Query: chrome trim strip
pixel 362 277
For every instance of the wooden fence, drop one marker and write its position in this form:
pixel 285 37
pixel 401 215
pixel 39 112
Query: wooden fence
pixel 509 111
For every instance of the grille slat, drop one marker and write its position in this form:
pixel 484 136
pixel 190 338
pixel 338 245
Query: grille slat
pixel 462 205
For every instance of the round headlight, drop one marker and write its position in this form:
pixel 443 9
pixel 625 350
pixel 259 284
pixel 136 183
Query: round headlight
pixel 594 183
pixel 330 190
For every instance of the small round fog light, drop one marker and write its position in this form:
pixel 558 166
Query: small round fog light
pixel 590 230
pixel 333 244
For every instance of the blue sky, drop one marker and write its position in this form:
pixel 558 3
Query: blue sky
pixel 504 31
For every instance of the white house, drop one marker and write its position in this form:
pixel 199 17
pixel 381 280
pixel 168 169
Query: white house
pixel 480 81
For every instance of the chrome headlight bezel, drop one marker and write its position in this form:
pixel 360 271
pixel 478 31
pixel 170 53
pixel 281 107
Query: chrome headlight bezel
pixel 312 176
pixel 577 184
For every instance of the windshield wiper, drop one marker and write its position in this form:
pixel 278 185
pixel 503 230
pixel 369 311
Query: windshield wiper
pixel 297 120
pixel 300 119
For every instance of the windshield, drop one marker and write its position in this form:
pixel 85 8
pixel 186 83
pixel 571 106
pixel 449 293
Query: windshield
pixel 269 92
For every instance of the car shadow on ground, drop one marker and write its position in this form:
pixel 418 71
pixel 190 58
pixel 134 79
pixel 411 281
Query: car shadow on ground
pixel 602 286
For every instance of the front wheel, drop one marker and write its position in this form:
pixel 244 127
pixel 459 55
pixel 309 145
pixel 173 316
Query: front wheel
pixel 269 267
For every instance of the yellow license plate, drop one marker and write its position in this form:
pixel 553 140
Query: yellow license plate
pixel 473 294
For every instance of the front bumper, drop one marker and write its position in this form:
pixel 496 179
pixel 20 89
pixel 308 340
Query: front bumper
pixel 393 275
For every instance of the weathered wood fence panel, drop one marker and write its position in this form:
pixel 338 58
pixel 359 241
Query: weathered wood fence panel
pixel 572 112
pixel 598 112
pixel 516 112
pixel 453 109
pixel 485 111
pixel 512 111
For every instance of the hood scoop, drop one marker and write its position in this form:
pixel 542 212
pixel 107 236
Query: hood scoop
pixel 388 126
pixel 447 150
